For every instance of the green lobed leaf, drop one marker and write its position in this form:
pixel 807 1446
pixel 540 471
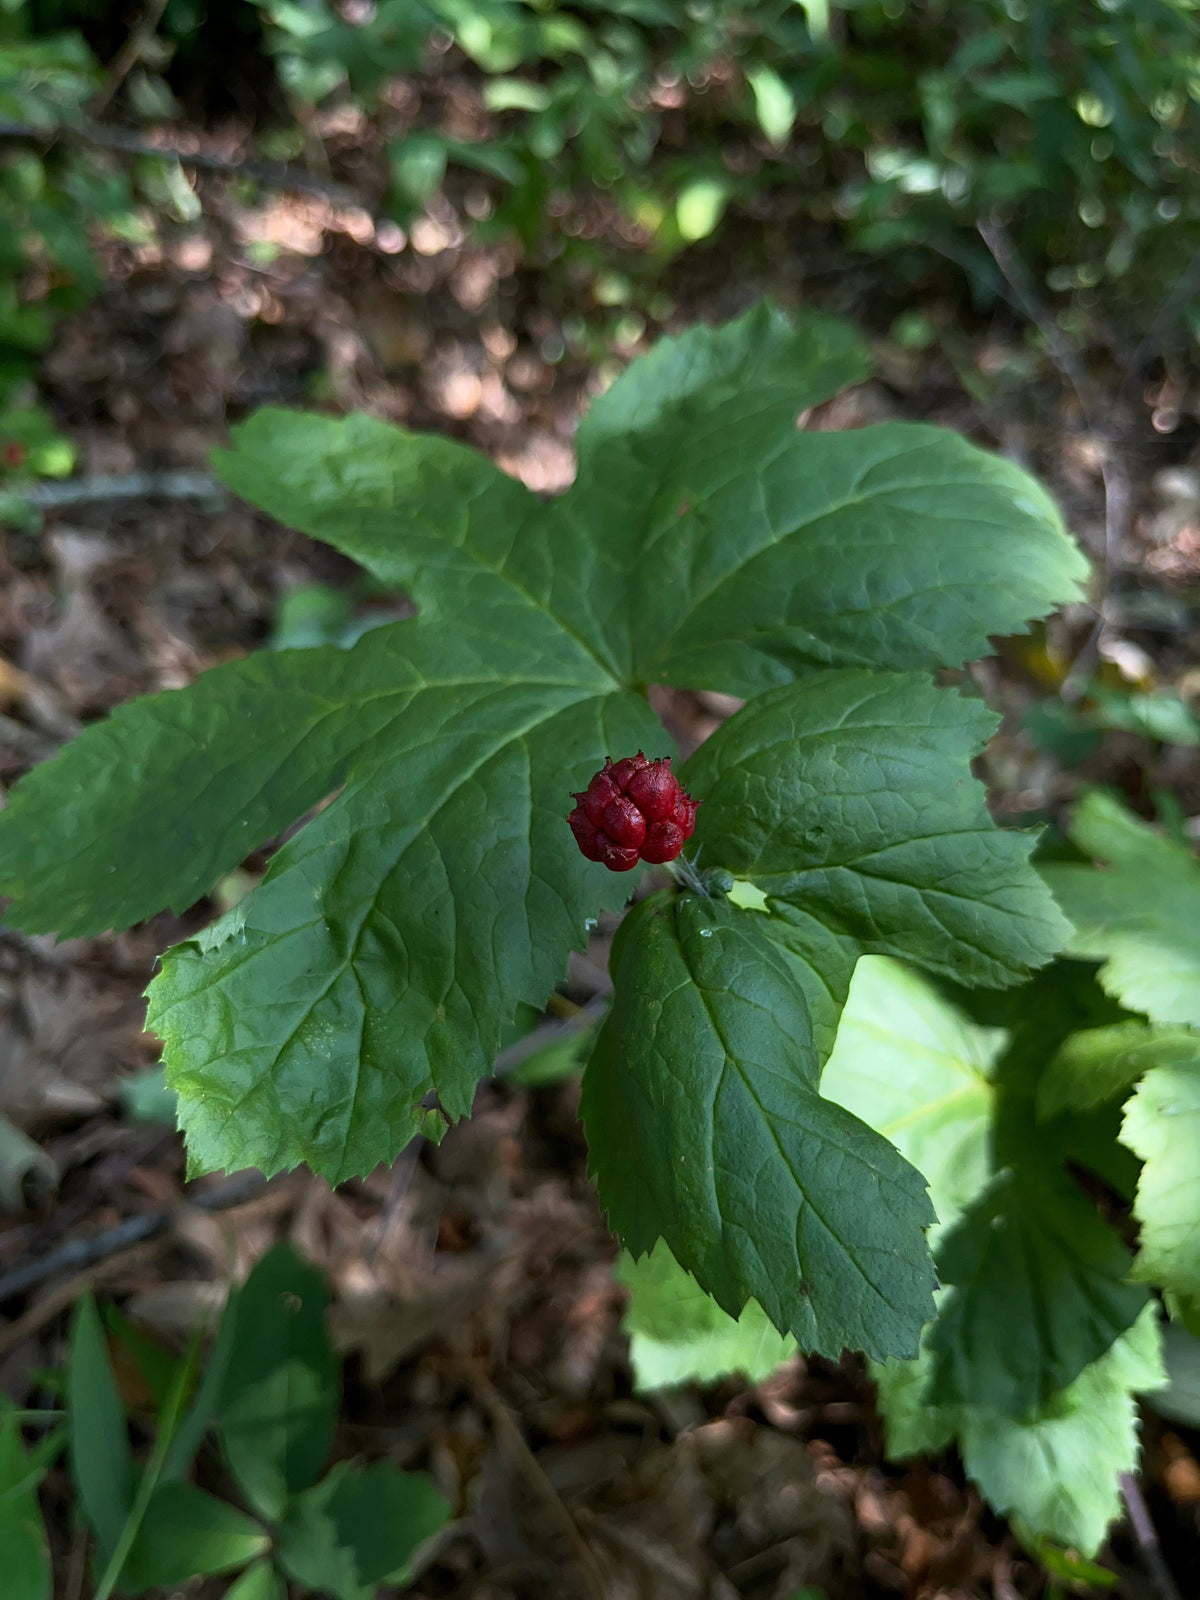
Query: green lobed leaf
pixel 1162 1126
pixel 395 934
pixel 1140 915
pixel 1057 1467
pixel 679 1334
pixel 357 1528
pixel 1097 1065
pixel 706 540
pixel 101 1461
pixel 419 512
pixel 849 796
pixel 766 552
pixel 1039 1292
pixel 186 1532
pixel 789 362
pixel 706 1128
pixel 917 1070
pixel 910 1065
pixel 912 1424
pixel 27 1574
pixel 281 1382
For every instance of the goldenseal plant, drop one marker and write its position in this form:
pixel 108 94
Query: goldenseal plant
pixel 355 998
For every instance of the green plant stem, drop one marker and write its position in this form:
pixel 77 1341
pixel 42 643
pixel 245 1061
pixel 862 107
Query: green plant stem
pixel 168 1423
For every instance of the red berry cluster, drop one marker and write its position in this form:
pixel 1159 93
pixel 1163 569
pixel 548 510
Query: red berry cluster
pixel 633 809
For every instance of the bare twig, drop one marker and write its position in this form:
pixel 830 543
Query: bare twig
pixel 86 1253
pixel 130 53
pixel 1147 1538
pixel 1113 476
pixel 274 174
pixel 65 1294
pixel 547 1033
pixel 1148 345
pixel 508 1431
pixel 93 489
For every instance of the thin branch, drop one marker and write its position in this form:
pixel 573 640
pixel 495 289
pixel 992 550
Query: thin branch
pixel 1115 480
pixel 1147 1538
pixel 506 1428
pixel 86 1253
pixel 66 1294
pixel 130 53
pixel 91 490
pixel 548 1033
pixel 1168 310
pixel 274 174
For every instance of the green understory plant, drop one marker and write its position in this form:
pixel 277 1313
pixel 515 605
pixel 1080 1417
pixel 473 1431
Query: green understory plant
pixel 268 1396
pixel 354 999
pixel 1045 1330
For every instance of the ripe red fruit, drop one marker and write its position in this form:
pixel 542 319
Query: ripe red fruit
pixel 633 808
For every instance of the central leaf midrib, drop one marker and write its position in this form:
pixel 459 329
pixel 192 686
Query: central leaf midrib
pixel 734 1062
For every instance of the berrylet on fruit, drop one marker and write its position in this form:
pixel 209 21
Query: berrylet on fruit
pixel 632 810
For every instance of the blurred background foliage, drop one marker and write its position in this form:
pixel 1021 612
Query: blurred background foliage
pixel 1073 123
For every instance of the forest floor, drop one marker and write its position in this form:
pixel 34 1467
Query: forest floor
pixel 472 1286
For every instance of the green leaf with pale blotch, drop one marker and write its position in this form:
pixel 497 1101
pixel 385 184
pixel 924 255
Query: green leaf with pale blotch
pixel 706 541
pixel 678 1334
pixel 1039 1292
pixel 1097 1065
pixel 1139 915
pixel 706 1128
pixel 1162 1126
pixel 917 1070
pixel 1057 1466
pixel 357 1528
pixel 279 1391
